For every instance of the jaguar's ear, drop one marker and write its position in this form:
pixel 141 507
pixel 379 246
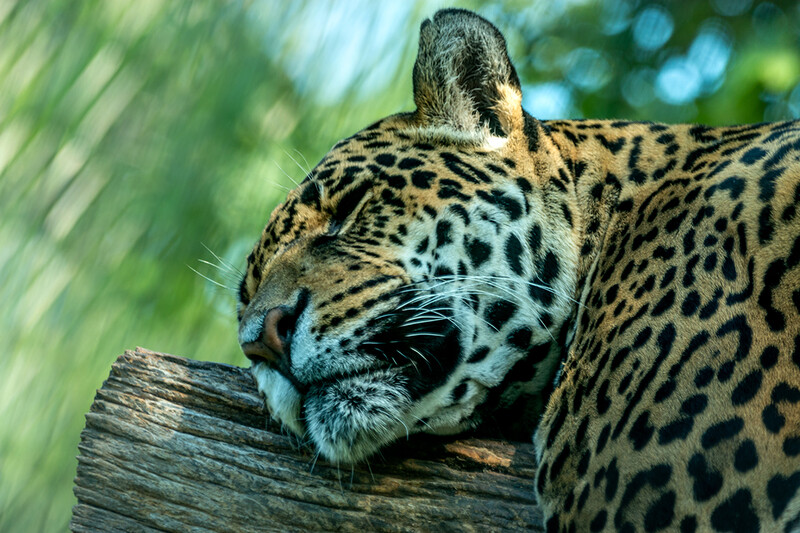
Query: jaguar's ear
pixel 463 78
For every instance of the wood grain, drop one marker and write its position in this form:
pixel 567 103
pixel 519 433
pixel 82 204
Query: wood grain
pixel 173 444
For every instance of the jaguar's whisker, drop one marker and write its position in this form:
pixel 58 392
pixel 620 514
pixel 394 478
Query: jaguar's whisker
pixel 218 284
pixel 223 262
pixel 296 184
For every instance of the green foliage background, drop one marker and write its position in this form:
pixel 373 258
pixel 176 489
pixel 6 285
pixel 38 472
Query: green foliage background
pixel 139 139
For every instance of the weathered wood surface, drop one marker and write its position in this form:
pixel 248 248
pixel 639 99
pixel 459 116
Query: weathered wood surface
pixel 172 444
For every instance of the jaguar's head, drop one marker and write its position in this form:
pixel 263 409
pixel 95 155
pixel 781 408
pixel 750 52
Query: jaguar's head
pixel 419 275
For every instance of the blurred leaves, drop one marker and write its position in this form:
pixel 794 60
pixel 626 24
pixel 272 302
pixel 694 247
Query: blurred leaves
pixel 131 135
pixel 718 62
pixel 135 134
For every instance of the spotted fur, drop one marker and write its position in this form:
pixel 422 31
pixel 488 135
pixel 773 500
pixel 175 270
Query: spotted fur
pixel 467 262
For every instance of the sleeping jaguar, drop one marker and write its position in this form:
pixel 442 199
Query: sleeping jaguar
pixel 639 281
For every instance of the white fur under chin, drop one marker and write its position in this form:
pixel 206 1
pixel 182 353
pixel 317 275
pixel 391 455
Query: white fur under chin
pixel 283 401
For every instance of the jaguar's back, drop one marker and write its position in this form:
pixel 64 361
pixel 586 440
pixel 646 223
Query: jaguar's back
pixel 467 261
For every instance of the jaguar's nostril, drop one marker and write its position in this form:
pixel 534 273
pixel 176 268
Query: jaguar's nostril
pixel 285 327
pixel 268 338
pixel 276 332
pixel 278 327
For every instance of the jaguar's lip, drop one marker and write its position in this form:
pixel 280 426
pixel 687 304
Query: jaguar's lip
pixel 425 354
pixel 339 377
pixel 258 352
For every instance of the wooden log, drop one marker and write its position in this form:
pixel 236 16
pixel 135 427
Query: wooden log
pixel 172 444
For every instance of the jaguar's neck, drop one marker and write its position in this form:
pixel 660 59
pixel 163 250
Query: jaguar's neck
pixel 614 167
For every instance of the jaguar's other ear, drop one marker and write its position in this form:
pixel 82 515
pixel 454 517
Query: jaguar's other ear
pixel 463 78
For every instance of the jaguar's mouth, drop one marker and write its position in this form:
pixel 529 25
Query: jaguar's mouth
pixel 418 341
pixel 345 375
pixel 425 353
pixel 423 358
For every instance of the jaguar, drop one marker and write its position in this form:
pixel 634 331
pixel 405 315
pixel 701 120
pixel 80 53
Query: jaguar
pixel 628 290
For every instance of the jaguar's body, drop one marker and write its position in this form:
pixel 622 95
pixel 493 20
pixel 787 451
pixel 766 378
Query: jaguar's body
pixel 642 280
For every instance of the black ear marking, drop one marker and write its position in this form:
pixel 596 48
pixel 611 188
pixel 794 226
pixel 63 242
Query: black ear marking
pixel 461 66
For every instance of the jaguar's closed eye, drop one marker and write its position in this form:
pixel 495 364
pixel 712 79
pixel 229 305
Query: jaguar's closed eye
pixel 311 194
pixel 243 297
pixel 348 204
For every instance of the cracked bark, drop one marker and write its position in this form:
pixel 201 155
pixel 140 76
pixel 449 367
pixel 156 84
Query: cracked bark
pixel 173 444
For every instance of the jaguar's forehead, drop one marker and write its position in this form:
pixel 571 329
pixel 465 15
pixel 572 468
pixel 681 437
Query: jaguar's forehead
pixel 408 172
pixel 404 165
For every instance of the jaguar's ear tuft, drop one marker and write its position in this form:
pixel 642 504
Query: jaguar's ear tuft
pixel 463 78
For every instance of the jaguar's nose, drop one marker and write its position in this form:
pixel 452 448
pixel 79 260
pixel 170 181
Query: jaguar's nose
pixel 269 340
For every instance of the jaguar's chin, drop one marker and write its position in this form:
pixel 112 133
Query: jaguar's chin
pixel 350 419
pixel 346 419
